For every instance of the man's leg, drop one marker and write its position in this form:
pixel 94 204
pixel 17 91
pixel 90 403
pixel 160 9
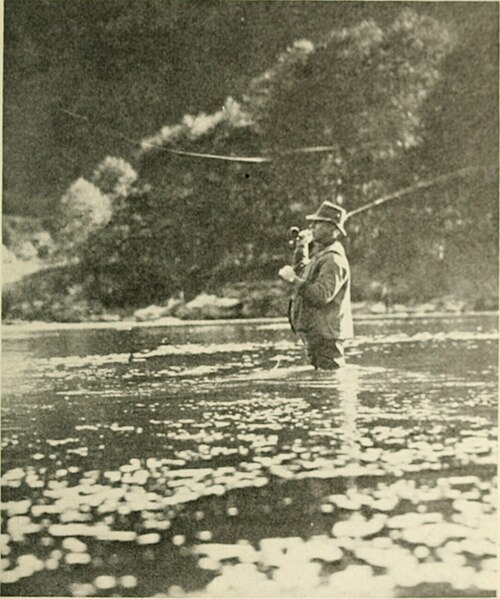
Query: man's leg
pixel 310 349
pixel 325 354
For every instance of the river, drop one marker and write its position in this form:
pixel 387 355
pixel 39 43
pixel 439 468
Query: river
pixel 209 461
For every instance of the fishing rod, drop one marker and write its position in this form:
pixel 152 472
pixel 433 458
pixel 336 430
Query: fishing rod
pixel 407 190
pixel 301 240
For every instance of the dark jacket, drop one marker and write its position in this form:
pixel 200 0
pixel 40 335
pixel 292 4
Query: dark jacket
pixel 321 303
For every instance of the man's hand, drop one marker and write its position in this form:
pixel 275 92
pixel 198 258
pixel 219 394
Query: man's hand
pixel 287 273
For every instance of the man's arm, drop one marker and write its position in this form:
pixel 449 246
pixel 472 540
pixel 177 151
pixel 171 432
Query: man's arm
pixel 328 282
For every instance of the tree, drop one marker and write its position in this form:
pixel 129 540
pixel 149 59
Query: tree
pixel 445 239
pixel 84 209
pixel 114 177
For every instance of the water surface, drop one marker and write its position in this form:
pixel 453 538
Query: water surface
pixel 208 460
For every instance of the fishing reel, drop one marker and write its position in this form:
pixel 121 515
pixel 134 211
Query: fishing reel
pixel 300 240
pixel 296 236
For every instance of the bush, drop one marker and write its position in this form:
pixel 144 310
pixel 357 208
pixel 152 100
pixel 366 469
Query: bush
pixel 51 294
pixel 84 209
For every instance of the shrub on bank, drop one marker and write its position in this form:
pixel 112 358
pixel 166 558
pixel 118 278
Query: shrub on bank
pixel 49 295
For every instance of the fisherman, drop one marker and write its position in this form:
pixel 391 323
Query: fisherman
pixel 320 308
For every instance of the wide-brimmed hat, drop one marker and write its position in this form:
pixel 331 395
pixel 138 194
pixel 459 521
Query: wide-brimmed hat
pixel 330 213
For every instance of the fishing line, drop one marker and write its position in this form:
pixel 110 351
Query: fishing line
pixel 178 152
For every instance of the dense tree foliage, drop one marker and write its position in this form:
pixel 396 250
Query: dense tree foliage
pixel 132 65
pixel 139 65
pixel 358 90
pixel 393 92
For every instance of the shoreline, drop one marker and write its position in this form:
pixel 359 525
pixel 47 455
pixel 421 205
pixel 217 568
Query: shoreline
pixel 11 329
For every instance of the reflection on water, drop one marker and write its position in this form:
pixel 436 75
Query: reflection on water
pixel 211 462
pixel 347 392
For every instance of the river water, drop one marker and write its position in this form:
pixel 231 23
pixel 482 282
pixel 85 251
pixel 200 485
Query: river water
pixel 210 461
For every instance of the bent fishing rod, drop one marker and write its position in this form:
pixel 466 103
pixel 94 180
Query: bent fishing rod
pixel 298 237
pixel 412 188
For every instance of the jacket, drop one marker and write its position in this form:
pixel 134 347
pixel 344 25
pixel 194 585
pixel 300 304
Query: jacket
pixel 321 302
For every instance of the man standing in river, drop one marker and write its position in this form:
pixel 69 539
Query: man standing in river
pixel 320 308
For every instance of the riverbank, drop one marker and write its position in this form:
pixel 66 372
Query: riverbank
pixel 15 328
pixel 51 296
